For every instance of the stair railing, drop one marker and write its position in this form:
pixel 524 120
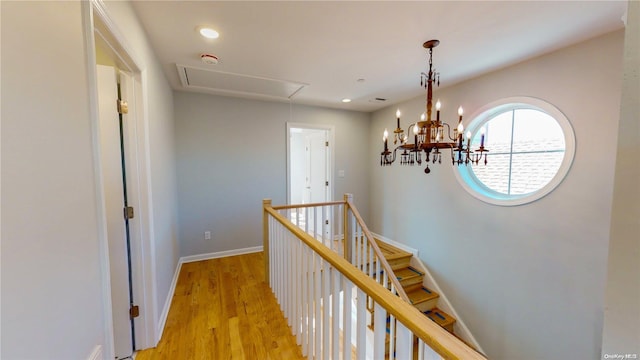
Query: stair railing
pixel 339 226
pixel 317 289
pixel 364 252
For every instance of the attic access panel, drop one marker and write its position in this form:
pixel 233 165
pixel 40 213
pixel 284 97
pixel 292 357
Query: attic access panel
pixel 199 79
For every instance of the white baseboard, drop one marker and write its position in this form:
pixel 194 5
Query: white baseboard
pixel 192 258
pixel 167 302
pixel 96 354
pixel 215 255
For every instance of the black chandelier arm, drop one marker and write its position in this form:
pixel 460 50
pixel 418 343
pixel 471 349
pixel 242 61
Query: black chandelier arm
pixel 456 150
pixel 418 156
pixel 452 138
pixel 384 156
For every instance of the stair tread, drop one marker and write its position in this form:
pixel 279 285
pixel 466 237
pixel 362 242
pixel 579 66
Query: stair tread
pixel 407 273
pixel 391 252
pixel 421 294
pixel 440 317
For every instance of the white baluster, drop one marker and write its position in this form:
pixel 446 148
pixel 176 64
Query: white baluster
pixel 272 249
pixel 346 334
pixel 379 331
pixel 326 306
pixel 298 290
pixel 278 264
pixel 371 259
pixel 352 230
pixel 378 271
pixel 289 281
pixel 429 353
pixel 310 288
pixel 317 319
pixel 363 246
pixel 338 230
pixel 392 337
pixel 404 342
pixel 335 314
pixel 305 301
pixel 324 226
pixel 362 256
pixel 385 280
pixel 361 325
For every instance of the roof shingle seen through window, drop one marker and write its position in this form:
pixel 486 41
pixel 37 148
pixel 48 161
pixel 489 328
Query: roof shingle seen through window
pixel 528 170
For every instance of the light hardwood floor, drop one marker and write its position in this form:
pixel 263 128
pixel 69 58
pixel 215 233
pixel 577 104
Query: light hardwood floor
pixel 223 309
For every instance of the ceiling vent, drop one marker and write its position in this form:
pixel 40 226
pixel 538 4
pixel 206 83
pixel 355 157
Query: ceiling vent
pixel 378 100
pixel 225 83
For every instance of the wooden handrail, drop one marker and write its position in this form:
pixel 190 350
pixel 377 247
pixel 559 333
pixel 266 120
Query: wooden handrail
pixel 383 261
pixel 438 339
pixel 285 207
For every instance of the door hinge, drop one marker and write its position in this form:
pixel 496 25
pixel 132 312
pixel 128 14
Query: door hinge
pixel 326 183
pixel 123 107
pixel 326 143
pixel 326 222
pixel 134 311
pixel 128 212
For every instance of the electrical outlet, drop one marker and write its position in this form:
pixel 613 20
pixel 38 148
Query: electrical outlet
pixel 207 235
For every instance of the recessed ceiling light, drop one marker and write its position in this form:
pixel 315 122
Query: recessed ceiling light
pixel 346 100
pixel 208 32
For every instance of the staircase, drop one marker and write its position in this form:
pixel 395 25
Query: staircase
pixel 411 279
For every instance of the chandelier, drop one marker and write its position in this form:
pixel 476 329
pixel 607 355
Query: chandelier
pixel 429 134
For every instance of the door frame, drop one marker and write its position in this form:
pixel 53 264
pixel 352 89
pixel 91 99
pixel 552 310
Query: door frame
pixel 330 161
pixel 98 23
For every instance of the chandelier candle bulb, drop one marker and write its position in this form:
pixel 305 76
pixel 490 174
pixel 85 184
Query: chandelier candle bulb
pixel 385 135
pixel 438 105
pixel 398 117
pixel 460 112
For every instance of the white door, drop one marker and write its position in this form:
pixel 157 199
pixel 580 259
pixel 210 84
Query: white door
pixel 114 191
pixel 309 159
pixel 317 180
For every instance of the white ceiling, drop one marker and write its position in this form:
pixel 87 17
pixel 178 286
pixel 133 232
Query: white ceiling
pixel 330 45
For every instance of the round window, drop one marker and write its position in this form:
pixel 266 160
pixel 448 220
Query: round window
pixel 531 146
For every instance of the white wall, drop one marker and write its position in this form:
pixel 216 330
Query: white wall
pixel 621 333
pixel 161 150
pixel 231 154
pixel 528 280
pixel 51 282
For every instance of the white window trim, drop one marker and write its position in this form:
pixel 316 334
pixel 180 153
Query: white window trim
pixel 473 186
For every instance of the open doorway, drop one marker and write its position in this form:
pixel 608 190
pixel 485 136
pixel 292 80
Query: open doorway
pixel 309 160
pixel 120 147
pixel 309 169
